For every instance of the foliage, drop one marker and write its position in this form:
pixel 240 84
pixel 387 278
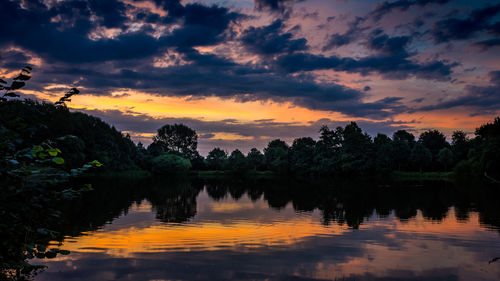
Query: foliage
pixel 17 83
pixel 179 138
pixel 27 123
pixel 421 156
pixel 237 162
pixel 216 159
pixel 404 136
pixel 33 181
pixel 276 156
pixel 357 149
pixel 170 163
pixel 302 155
pixel 433 140
pixel 255 159
pixel 460 145
pixel 66 98
pixel 445 157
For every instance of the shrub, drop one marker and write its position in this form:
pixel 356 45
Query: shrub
pixel 170 163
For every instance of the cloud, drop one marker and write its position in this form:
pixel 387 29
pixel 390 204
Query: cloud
pixel 387 7
pixel 272 5
pixel 392 66
pixel 110 12
pixel 459 29
pixel 70 43
pixel 353 33
pixel 389 45
pixel 486 44
pixel 271 39
pixel 13 59
pixel 484 98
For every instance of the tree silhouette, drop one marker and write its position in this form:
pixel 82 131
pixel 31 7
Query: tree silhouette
pixel 179 138
pixel 276 156
pixel 237 162
pixel 445 157
pixel 216 159
pixel 421 156
pixel 255 159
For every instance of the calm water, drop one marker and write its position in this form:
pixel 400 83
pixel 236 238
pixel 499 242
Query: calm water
pixel 160 230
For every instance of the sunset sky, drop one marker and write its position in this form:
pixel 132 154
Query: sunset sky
pixel 244 72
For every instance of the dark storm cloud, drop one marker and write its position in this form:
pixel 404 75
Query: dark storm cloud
pixel 485 98
pixel 392 61
pixel 189 80
pixel 60 34
pixel 394 66
pixel 271 39
pixel 272 5
pixel 13 60
pixel 388 45
pixel 387 7
pixel 58 41
pixel 464 28
pixel 111 12
pixel 202 26
pixel 486 44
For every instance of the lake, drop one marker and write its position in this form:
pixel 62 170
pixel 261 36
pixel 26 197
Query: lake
pixel 182 229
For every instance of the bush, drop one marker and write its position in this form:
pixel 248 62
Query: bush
pixel 170 163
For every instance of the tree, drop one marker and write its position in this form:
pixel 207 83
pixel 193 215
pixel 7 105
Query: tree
pixel 255 159
pixel 302 155
pixel 357 152
pixel 381 139
pixel 237 162
pixel 403 135
pixel 488 145
pixel 330 139
pixel 276 156
pixel 421 156
pixel 216 159
pixel 460 145
pixel 179 138
pixel 327 157
pixel 445 157
pixel 168 163
pixel 401 153
pixel 434 140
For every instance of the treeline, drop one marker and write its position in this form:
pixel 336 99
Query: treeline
pixel 26 123
pixel 343 150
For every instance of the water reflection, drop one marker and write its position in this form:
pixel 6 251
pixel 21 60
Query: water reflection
pixel 188 229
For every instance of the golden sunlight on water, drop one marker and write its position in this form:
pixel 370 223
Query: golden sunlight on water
pixel 240 234
pixel 226 237
pixel 249 226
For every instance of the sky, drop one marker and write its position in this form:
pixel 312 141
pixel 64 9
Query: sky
pixel 242 73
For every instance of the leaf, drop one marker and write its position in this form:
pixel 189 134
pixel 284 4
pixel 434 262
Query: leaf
pixel 53 151
pixel 95 163
pixel 58 160
pixel 17 85
pixel 50 255
pixel 11 94
pixel 64 252
pixel 22 77
pixel 3 81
